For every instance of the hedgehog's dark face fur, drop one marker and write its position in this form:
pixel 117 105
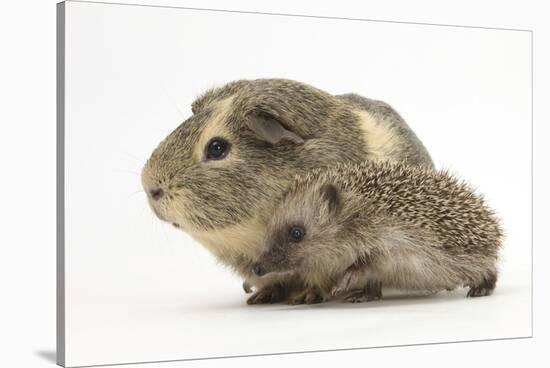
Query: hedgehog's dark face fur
pixel 232 159
pixel 302 229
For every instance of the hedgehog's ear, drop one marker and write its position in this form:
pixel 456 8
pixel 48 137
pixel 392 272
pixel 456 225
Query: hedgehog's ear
pixel 270 129
pixel 331 196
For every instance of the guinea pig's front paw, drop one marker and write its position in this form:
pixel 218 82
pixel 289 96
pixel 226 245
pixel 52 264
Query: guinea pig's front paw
pixel 308 296
pixel 268 295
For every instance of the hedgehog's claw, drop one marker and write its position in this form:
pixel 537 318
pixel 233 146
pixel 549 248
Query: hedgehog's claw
pixel 247 287
pixel 268 295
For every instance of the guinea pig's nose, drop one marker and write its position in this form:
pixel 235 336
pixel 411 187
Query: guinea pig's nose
pixel 258 270
pixel 156 193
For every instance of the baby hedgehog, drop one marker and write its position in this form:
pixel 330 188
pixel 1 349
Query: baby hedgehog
pixel 350 229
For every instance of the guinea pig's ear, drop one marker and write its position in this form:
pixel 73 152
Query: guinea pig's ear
pixel 329 194
pixel 269 129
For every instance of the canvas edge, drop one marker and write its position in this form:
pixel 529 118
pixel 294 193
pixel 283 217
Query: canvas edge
pixel 60 183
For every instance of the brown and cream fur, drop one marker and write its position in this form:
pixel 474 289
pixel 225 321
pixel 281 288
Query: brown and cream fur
pixel 276 128
pixel 385 224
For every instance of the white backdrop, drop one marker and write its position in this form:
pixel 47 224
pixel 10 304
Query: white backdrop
pixel 138 290
pixel 27 153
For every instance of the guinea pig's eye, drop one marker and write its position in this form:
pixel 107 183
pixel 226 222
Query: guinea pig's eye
pixel 217 148
pixel 296 233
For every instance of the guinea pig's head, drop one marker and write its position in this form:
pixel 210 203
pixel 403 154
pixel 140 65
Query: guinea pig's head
pixel 304 234
pixel 233 156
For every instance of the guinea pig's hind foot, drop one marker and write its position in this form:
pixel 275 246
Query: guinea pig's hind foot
pixel 268 295
pixel 485 287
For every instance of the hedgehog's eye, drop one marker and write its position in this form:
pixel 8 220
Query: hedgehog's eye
pixel 296 233
pixel 217 148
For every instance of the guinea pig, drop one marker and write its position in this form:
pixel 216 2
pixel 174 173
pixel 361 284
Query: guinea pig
pixel 350 229
pixel 220 173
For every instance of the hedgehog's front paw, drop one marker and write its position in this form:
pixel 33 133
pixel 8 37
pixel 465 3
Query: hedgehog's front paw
pixel 371 291
pixel 247 287
pixel 268 295
pixel 355 296
pixel 308 296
